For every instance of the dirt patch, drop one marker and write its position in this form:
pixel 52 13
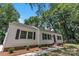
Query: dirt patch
pixel 19 52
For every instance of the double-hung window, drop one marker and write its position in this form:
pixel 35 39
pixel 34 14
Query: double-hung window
pixel 23 35
pixel 30 35
pixel 59 37
pixel 49 37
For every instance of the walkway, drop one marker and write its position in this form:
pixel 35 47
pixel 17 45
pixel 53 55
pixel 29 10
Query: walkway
pixel 1 46
pixel 38 53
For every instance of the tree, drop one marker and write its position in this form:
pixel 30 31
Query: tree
pixel 63 18
pixel 7 14
pixel 34 21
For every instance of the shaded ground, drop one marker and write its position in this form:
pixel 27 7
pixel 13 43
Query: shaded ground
pixel 66 50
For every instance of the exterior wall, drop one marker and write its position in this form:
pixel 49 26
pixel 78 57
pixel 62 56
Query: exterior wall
pixel 10 40
pixel 50 41
pixel 45 41
pixel 58 41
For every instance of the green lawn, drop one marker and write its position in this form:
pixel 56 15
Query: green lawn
pixel 75 45
pixel 67 50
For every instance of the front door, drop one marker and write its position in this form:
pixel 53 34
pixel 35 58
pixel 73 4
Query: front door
pixel 54 38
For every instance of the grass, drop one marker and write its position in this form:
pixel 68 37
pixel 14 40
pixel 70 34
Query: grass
pixel 75 45
pixel 68 50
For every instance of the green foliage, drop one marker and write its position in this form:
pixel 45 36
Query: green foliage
pixel 63 18
pixel 44 54
pixel 27 47
pixel 11 50
pixel 71 46
pixel 33 21
pixel 58 50
pixel 7 14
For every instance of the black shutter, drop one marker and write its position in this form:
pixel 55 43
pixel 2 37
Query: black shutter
pixel 34 35
pixel 17 34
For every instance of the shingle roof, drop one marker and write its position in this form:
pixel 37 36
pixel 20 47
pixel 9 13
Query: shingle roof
pixel 20 24
pixel 33 27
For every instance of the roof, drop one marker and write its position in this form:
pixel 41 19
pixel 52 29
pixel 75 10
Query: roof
pixel 33 27
pixel 20 24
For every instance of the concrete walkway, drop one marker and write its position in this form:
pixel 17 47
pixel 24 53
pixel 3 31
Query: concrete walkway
pixel 1 47
pixel 29 54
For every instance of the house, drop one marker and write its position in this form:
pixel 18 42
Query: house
pixel 20 35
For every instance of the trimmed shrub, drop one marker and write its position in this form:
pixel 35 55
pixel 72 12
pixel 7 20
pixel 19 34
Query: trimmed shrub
pixel 28 47
pixel 11 50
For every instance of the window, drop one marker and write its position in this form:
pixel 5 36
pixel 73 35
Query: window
pixel 49 37
pixel 30 35
pixel 34 36
pixel 54 37
pixel 59 37
pixel 23 35
pixel 17 34
pixel 42 36
pixel 46 36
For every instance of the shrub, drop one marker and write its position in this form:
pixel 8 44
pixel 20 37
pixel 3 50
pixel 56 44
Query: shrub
pixel 11 50
pixel 39 46
pixel 45 54
pixel 28 47
pixel 71 46
pixel 58 50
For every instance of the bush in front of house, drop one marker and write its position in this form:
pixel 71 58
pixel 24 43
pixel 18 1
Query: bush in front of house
pixel 27 47
pixel 11 50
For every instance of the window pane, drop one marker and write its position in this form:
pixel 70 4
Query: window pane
pixel 45 36
pixel 23 35
pixel 17 34
pixel 49 37
pixel 59 37
pixel 30 35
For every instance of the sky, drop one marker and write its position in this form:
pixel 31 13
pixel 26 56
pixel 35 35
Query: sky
pixel 25 11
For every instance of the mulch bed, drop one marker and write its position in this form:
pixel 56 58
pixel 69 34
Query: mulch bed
pixel 19 52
